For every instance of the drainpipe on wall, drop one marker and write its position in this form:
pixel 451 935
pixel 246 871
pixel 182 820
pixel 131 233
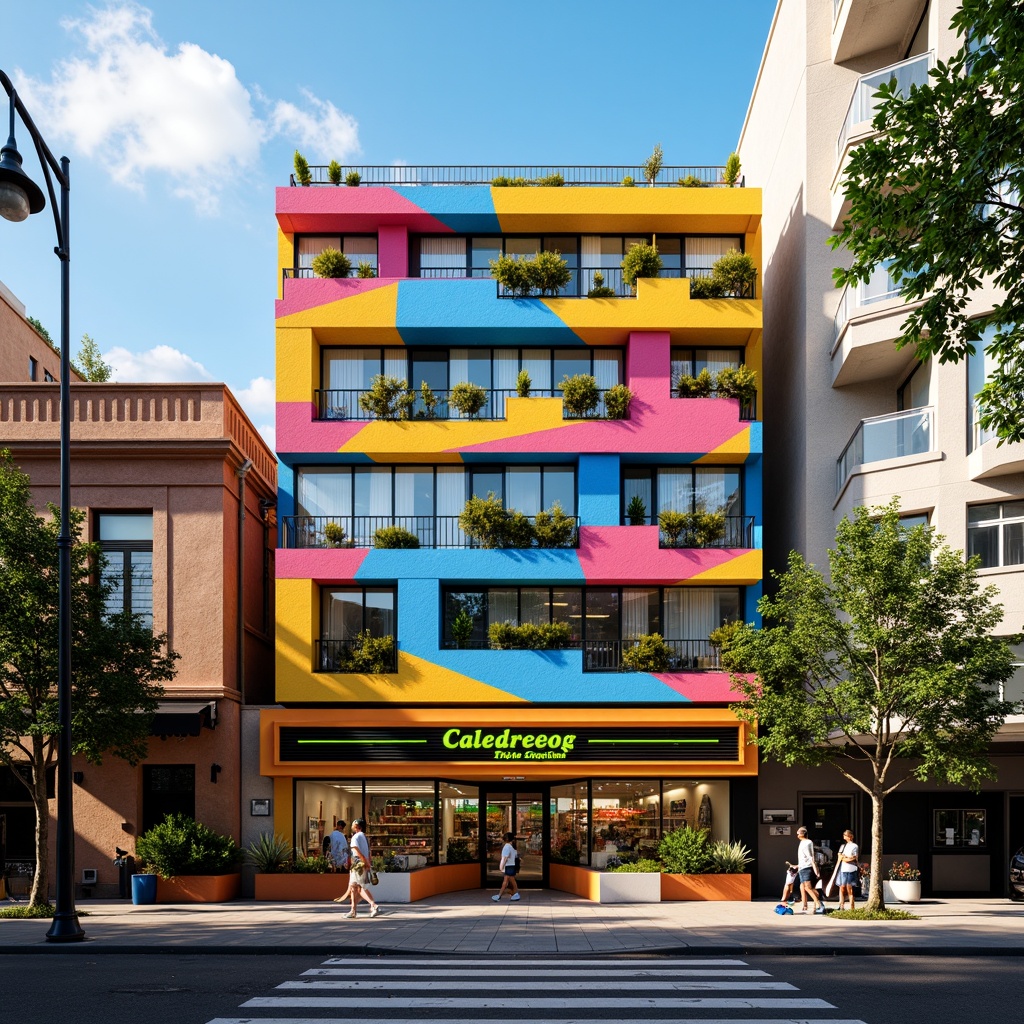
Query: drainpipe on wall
pixel 241 472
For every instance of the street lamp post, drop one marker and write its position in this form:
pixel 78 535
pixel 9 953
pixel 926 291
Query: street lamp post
pixel 20 197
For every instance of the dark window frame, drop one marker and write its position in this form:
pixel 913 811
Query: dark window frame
pixel 127 548
pixel 363 588
pixel 654 470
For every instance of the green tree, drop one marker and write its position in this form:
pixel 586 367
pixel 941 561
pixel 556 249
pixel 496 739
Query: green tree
pixel 90 365
pixel 887 672
pixel 117 665
pixel 935 196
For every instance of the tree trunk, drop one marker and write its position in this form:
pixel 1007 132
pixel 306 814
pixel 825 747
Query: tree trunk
pixel 876 895
pixel 40 880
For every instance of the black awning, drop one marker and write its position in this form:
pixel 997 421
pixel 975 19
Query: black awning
pixel 183 718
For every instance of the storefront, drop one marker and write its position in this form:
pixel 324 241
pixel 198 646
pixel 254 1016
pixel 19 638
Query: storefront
pixel 441 786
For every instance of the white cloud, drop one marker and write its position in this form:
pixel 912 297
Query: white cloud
pixel 160 364
pixel 181 113
pixel 259 399
pixel 327 132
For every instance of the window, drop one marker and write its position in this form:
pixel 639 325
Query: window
pixel 126 539
pixel 358 248
pixel 349 612
pixel 460 823
pixel 959 827
pixel 979 368
pixel 916 390
pixel 48 377
pixel 1013 688
pixel 701 254
pixel 995 533
pixel 33 368
pixel 691 361
pixel 912 519
pixel 689 489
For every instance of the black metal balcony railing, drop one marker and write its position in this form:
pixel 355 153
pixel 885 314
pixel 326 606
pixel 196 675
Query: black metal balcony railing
pixel 687 655
pixel 343 404
pixel 737 533
pixel 484 174
pixel 343 656
pixel 360 531
pixel 748 410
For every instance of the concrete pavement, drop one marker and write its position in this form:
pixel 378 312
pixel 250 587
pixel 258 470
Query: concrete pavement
pixel 543 921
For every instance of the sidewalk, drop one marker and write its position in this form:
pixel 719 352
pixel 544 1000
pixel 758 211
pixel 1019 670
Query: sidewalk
pixel 544 921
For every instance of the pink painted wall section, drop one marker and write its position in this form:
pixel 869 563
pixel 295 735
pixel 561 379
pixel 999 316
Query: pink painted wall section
pixel 308 293
pixel 393 250
pixel 318 563
pixel 630 554
pixel 701 687
pixel 298 430
pixel 346 210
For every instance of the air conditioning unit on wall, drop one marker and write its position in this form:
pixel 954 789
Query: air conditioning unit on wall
pixel 88 876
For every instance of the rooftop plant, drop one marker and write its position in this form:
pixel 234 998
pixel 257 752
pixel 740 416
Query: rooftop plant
pixel 334 172
pixel 653 164
pixel 731 175
pixel 302 174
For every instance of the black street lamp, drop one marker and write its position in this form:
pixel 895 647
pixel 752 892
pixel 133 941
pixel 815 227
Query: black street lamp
pixel 20 197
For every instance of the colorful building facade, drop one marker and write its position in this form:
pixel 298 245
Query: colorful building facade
pixel 447 684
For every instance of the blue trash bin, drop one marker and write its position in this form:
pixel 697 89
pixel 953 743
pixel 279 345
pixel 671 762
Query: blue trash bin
pixel 143 889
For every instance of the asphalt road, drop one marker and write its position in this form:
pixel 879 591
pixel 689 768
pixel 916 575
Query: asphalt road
pixel 54 988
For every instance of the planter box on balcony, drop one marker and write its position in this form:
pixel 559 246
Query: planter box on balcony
pixel 198 888
pixel 706 887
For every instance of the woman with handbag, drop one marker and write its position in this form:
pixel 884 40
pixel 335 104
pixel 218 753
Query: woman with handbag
pixel 509 867
pixel 361 870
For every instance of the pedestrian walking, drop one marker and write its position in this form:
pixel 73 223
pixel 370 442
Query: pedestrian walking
pixel 338 852
pixel 360 871
pixel 807 867
pixel 509 866
pixel 849 869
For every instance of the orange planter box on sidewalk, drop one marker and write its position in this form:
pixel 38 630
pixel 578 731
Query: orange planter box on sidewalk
pixel 198 889
pixel 706 887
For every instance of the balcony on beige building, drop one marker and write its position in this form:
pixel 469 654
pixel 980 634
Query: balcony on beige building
pixel 887 440
pixel 860 27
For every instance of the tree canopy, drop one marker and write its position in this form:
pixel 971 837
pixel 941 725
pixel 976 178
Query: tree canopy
pixel 935 196
pixel 887 671
pixel 118 663
pixel 90 364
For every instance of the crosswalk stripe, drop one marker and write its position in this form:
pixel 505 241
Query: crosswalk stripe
pixel 501 969
pixel 646 963
pixel 357 1005
pixel 391 985
pixel 559 1020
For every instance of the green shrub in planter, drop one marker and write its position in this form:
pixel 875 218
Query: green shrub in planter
pixel 429 400
pixel 616 402
pixel 388 398
pixel 334 172
pixel 641 260
pixel 704 528
pixel 580 394
pixel 600 290
pixel 547 636
pixel 331 263
pixel 459 852
pixel 352 179
pixel 636 511
pixel 553 528
pixel 270 854
pixel 503 182
pixel 365 270
pixel 727 858
pixel 641 866
pixel 691 181
pixel 705 288
pixel 737 382
pixel 647 653
pixel 512 274
pixel 735 273
pixel 628 182
pixel 523 384
pixel 685 851
pixel 549 272
pixel 731 174
pixel 394 537
pixel 700 386
pixel 180 845
pixel 550 181
pixel 374 655
pixel 334 534
pixel 721 640
pixel 314 864
pixel 461 628
pixel 653 164
pixel 302 174
pixel 467 398
pixel 672 524
pixel 491 525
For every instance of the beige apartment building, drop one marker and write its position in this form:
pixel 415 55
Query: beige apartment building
pixel 853 420
pixel 180 492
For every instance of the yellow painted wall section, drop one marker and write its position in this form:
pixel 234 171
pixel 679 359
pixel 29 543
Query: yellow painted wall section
pixel 737 445
pixel 639 210
pixel 367 317
pixel 743 570
pixel 417 680
pixel 285 257
pixel 298 364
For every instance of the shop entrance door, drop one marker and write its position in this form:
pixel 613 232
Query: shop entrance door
pixel 524 814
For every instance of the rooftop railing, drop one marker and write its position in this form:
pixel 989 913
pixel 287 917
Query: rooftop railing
pixel 911 432
pixel 485 174
pixel 686 655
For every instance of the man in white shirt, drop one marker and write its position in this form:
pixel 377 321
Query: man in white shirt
pixel 807 867
pixel 340 855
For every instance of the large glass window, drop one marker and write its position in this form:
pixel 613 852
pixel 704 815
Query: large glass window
pixel 980 366
pixel 319 805
pixel 626 820
pixel 348 611
pixel 126 540
pixel 691 361
pixel 460 823
pixel 701 253
pixel 358 248
pixel 959 827
pixel 683 489
pixel 400 823
pixel 570 823
pixel 995 533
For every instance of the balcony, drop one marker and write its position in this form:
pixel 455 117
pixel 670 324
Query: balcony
pixel 990 460
pixel 737 532
pixel 343 404
pixel 361 531
pixel 687 655
pixel 860 27
pixel 352 656
pixel 484 174
pixel 892 436
pixel 583 281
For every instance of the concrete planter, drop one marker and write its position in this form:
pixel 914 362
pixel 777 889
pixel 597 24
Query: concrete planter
pixel 706 887
pixel 198 889
pixel 903 892
pixel 606 886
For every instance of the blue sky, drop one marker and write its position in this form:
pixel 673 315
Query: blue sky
pixel 180 119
